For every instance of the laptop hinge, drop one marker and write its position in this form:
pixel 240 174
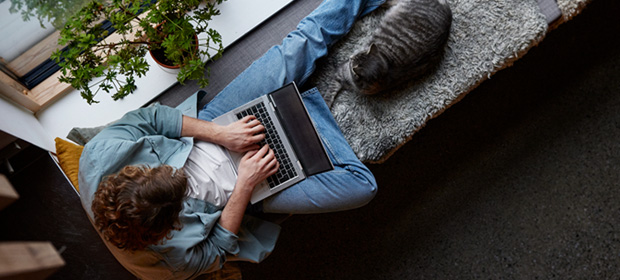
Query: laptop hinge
pixel 273 103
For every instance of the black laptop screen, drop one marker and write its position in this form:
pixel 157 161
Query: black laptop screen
pixel 300 130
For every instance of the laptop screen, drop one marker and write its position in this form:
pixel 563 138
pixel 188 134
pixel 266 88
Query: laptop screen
pixel 300 130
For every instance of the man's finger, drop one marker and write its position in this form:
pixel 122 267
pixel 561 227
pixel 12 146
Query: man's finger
pixel 275 168
pixel 247 119
pixel 250 153
pixel 271 154
pixel 262 151
pixel 258 128
pixel 273 163
pixel 251 147
pixel 257 138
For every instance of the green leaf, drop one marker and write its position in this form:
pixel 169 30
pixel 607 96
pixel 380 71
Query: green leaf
pixel 117 65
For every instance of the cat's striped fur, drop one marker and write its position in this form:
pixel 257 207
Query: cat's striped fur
pixel 409 41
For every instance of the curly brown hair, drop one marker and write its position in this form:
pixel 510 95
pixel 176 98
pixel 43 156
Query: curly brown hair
pixel 139 206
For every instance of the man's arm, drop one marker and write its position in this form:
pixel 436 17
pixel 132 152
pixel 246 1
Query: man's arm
pixel 155 120
pixel 240 136
pixel 255 166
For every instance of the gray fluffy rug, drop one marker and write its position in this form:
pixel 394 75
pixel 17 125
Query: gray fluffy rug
pixel 571 8
pixel 486 36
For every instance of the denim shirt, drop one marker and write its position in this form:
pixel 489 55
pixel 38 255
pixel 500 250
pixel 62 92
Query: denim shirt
pixel 152 136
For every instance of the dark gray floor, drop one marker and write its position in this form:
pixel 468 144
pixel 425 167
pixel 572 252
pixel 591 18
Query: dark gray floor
pixel 519 180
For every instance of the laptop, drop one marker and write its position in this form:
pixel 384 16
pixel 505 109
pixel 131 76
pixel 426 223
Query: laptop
pixel 289 132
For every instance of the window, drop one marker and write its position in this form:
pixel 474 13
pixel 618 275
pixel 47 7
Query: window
pixel 28 76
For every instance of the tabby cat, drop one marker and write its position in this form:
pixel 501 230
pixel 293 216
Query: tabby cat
pixel 408 42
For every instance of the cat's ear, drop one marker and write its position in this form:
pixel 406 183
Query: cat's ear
pixel 354 64
pixel 361 58
pixel 373 50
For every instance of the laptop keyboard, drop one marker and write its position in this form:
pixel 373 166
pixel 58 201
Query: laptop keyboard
pixel 286 170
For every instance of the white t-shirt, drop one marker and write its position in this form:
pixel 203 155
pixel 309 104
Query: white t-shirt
pixel 210 174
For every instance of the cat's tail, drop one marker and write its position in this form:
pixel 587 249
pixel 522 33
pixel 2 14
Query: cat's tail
pixel 334 89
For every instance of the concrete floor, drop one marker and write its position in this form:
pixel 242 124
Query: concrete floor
pixel 519 180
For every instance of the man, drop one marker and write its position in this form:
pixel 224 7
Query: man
pixel 167 204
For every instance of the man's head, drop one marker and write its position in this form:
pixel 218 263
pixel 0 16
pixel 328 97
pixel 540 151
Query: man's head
pixel 139 206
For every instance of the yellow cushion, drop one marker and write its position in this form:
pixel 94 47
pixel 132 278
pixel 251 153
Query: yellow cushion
pixel 69 159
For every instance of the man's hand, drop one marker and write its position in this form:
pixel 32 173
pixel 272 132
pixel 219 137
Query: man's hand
pixel 242 135
pixel 256 166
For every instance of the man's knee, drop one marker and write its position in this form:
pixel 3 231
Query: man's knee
pixel 364 187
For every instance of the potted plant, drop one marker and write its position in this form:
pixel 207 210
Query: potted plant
pixel 169 27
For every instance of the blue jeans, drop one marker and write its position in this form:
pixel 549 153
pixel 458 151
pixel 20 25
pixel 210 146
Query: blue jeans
pixel 350 184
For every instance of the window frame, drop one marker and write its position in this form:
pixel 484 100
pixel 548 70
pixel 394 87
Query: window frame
pixel 45 92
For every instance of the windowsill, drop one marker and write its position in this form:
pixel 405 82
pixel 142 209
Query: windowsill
pixel 62 107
